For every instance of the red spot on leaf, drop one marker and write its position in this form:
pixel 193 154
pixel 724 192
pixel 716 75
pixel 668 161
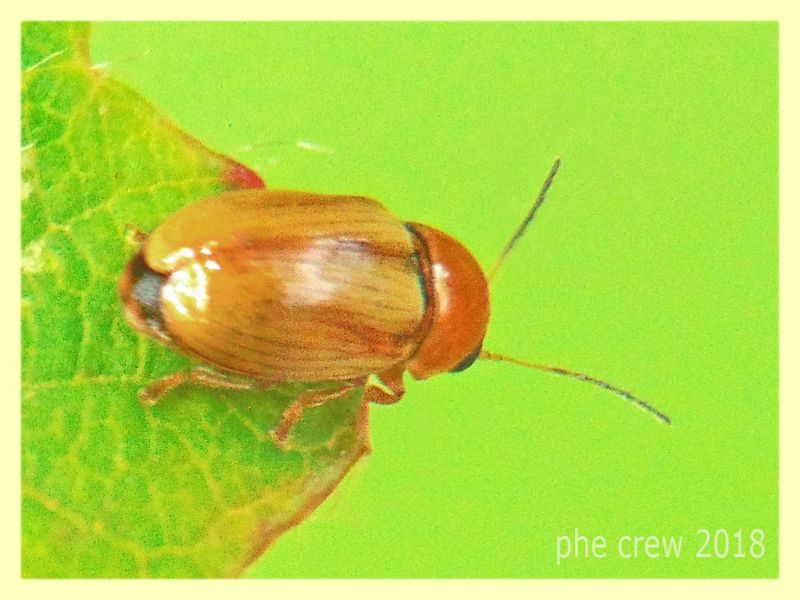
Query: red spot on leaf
pixel 237 176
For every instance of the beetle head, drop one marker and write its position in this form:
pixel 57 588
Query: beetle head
pixel 458 304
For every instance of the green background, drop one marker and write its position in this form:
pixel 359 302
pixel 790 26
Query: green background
pixel 653 264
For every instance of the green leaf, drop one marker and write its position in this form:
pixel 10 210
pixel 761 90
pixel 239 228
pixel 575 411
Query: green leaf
pixel 192 487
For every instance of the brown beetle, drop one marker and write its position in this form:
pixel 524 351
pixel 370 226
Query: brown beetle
pixel 271 286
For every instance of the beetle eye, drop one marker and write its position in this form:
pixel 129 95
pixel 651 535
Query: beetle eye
pixel 467 362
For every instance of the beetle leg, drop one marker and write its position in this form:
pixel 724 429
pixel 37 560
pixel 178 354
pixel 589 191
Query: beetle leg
pixel 199 375
pixel 362 425
pixel 392 389
pixel 134 236
pixel 309 399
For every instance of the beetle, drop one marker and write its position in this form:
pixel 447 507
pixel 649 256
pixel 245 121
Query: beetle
pixel 270 286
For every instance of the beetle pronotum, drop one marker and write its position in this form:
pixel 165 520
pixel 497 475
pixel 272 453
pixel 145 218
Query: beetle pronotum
pixel 270 286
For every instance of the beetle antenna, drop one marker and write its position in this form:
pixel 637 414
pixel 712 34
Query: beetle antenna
pixel 525 222
pixel 582 377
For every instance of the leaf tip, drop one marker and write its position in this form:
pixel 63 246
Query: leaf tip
pixel 237 176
